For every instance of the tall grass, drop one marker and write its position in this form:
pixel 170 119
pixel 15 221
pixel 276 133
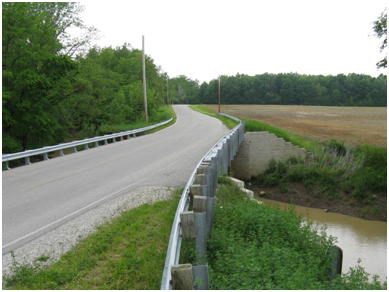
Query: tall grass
pixel 359 170
pixel 257 247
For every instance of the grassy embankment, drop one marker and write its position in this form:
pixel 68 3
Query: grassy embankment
pixel 128 253
pixel 164 113
pixel 352 178
pixel 256 247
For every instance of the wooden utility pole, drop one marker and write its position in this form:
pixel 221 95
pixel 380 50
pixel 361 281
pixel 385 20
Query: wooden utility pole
pixel 167 93
pixel 144 77
pixel 219 94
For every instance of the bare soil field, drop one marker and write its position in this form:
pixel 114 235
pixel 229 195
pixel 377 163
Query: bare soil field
pixel 353 125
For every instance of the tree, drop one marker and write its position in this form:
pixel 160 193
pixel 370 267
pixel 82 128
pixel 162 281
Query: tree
pixel 380 30
pixel 37 75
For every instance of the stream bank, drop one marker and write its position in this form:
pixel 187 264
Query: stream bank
pixel 346 204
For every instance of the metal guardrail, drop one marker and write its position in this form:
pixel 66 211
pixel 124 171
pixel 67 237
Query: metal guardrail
pixel 217 161
pixel 45 150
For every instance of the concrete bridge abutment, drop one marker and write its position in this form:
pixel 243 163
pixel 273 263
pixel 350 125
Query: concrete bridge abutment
pixel 258 149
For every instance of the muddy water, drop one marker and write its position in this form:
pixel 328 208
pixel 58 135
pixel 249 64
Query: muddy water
pixel 359 239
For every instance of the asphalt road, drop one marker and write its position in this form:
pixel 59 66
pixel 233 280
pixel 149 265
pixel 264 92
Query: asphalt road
pixel 41 197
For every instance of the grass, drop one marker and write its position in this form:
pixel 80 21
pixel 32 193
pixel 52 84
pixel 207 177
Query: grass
pixel 257 247
pixel 164 113
pixel 207 111
pixel 354 125
pixel 334 170
pixel 128 253
pixel 297 140
pixel 329 169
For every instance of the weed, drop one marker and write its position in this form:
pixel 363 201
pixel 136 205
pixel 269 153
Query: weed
pixel 257 247
pixel 127 253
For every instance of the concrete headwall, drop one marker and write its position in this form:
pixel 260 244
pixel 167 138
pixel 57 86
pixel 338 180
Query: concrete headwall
pixel 256 151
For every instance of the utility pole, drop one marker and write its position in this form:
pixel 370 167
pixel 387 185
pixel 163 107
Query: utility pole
pixel 144 77
pixel 167 92
pixel 219 94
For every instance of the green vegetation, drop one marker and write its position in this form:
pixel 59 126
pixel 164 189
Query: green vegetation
pixel 334 170
pixel 54 85
pixel 128 253
pixel 261 247
pixel 297 140
pixel 163 113
pixel 330 169
pixel 296 89
pixel 380 29
pixel 207 111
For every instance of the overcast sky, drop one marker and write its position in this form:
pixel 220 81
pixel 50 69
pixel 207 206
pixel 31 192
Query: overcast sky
pixel 205 39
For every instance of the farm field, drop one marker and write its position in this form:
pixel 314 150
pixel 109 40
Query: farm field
pixel 353 125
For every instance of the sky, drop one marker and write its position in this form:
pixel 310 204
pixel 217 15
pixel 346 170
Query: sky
pixel 205 39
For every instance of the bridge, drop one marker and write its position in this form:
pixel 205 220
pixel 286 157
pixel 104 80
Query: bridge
pixel 39 198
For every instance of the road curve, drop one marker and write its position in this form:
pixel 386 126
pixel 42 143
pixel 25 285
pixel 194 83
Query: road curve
pixel 43 196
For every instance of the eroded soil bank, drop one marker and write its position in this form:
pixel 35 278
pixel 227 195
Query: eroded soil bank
pixel 347 204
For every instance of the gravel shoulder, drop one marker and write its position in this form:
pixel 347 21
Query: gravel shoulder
pixel 57 242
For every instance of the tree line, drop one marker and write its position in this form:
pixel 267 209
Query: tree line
pixel 296 89
pixel 54 84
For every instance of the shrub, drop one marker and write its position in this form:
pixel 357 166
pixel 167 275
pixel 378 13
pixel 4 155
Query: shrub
pixel 336 167
pixel 262 247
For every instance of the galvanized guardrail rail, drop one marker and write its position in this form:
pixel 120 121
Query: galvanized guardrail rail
pixel 47 149
pixel 199 191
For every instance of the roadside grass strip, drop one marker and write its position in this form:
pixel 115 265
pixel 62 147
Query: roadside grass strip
pixel 127 253
pixel 255 246
pixel 207 111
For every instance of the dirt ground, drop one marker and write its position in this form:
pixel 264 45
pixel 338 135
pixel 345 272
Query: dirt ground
pixel 353 125
pixel 346 204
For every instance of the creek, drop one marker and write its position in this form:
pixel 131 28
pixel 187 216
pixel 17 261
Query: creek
pixel 358 238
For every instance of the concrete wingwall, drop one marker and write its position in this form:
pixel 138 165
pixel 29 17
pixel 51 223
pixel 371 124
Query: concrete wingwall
pixel 256 151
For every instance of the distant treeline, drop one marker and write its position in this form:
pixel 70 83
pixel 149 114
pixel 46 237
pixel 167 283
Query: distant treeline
pixel 288 89
pixel 54 84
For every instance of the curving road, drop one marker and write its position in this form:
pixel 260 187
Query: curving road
pixel 43 196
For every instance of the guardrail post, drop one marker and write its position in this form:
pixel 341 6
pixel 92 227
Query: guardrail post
pixel 200 179
pixel 105 142
pixel 210 211
pixel 45 156
pixel 188 224
pixel 74 149
pixel 113 140
pixel 200 207
pixel 61 152
pixel 86 147
pixel 182 277
pixel 7 165
pixel 97 144
pixel 27 160
pixel 194 190
pixel 134 135
pixel 199 204
pixel 121 138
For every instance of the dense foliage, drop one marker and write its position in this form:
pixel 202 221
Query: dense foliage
pixel 380 28
pixel 53 85
pixel 261 247
pixel 296 89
